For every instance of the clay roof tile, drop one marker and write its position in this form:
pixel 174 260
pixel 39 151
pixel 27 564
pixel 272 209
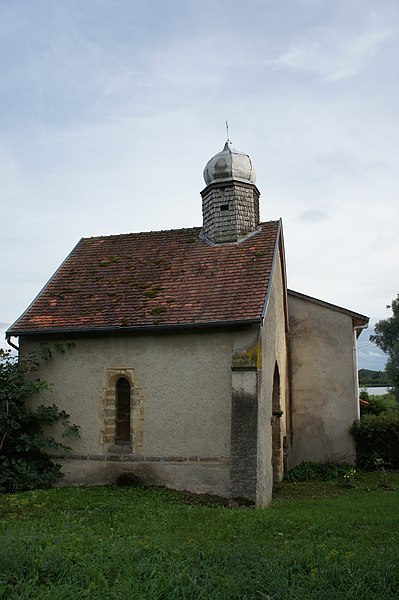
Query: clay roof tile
pixel 162 278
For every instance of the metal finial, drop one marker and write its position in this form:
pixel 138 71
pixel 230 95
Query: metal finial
pixel 227 130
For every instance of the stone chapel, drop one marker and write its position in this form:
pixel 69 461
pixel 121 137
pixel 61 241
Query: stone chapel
pixel 191 364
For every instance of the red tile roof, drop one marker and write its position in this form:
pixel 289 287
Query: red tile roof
pixel 164 278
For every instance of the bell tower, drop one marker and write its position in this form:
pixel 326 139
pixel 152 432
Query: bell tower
pixel 230 201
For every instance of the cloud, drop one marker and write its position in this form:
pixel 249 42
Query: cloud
pixel 330 55
pixel 371 360
pixel 312 215
pixel 370 354
pixel 108 117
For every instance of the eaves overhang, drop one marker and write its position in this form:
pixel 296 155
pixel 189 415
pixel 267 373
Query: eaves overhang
pixel 358 319
pixel 173 327
pixel 279 245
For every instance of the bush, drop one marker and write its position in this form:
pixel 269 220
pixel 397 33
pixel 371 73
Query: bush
pixel 329 471
pixel 364 395
pixel 377 439
pixel 375 406
pixel 23 464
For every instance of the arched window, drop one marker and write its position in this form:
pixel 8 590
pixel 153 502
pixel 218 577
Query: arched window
pixel 276 391
pixel 123 427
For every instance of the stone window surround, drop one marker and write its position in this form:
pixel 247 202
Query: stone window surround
pixel 108 412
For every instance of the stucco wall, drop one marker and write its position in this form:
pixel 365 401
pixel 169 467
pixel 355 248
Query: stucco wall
pixel 274 350
pixel 185 384
pixel 323 384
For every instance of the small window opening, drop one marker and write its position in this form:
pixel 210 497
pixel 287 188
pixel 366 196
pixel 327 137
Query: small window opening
pixel 122 433
pixel 224 207
pixel 276 408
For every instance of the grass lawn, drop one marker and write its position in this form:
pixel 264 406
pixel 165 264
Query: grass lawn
pixel 317 541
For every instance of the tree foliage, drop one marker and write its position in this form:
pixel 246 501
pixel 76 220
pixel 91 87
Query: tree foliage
pixel 387 338
pixel 370 378
pixel 24 463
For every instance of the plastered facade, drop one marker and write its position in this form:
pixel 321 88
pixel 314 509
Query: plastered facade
pixel 324 401
pixel 181 397
pixel 274 352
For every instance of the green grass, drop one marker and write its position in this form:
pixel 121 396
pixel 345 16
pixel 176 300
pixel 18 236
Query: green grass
pixel 319 540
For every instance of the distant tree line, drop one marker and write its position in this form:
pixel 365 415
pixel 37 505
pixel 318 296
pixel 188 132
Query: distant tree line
pixel 371 378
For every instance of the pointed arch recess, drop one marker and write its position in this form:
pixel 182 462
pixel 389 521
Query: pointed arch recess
pixel 277 441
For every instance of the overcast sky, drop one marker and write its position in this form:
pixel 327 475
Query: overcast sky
pixel 111 108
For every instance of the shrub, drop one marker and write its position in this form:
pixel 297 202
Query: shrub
pixel 364 395
pixel 329 471
pixel 23 464
pixel 377 438
pixel 375 406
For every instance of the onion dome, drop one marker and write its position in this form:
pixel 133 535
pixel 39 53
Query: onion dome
pixel 229 164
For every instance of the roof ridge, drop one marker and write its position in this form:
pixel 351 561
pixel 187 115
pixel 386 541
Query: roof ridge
pixel 119 235
pixel 154 231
